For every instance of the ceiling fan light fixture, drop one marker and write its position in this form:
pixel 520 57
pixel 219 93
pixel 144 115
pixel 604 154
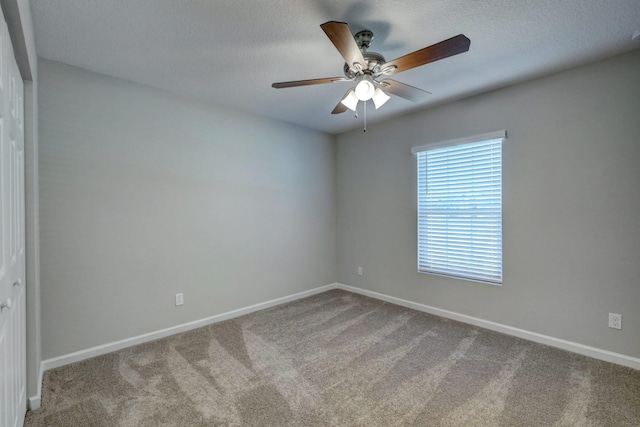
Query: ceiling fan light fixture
pixel 350 101
pixel 364 89
pixel 380 98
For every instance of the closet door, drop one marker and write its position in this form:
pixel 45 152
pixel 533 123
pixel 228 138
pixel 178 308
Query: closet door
pixel 13 398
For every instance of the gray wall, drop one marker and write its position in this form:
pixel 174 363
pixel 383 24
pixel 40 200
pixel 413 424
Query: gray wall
pixel 144 194
pixel 571 205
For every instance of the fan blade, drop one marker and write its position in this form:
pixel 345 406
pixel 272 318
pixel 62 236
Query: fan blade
pixel 403 90
pixel 340 107
pixel 444 49
pixel 341 37
pixel 308 82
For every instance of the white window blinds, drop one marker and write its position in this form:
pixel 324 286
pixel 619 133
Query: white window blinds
pixel 460 208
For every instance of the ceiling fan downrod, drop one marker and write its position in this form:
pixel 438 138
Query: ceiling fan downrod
pixel 363 39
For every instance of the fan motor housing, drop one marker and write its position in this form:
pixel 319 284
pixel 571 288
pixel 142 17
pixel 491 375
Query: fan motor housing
pixel 374 61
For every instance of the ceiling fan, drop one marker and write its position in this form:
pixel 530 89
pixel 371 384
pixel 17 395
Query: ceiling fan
pixel 369 69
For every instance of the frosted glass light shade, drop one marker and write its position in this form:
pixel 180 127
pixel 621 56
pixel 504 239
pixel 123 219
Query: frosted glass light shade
pixel 379 98
pixel 365 90
pixel 350 101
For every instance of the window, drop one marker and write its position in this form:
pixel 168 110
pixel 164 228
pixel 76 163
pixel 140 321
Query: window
pixel 460 208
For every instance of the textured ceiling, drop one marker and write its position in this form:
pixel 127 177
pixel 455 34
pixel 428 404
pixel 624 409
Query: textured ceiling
pixel 228 52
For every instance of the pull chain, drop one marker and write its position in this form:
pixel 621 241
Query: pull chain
pixel 365 116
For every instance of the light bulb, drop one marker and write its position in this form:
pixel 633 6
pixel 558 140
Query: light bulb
pixel 365 90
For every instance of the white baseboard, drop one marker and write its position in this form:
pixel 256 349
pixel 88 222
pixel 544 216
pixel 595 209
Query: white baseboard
pixel 585 350
pixel 33 403
pixel 608 356
pixel 152 336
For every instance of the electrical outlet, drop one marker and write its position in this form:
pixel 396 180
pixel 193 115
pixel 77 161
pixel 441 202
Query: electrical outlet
pixel 360 271
pixel 179 299
pixel 615 321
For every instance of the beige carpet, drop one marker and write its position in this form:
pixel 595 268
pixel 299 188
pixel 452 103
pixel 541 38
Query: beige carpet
pixel 340 359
